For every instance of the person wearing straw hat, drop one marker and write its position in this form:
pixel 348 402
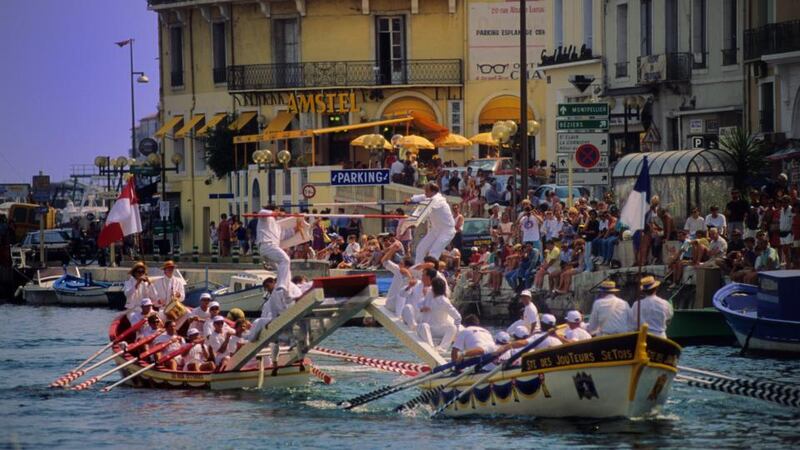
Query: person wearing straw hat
pixel 138 286
pixel 655 311
pixel 441 224
pixel 169 287
pixel 609 312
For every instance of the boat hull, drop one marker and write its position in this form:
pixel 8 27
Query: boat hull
pixel 248 300
pixel 95 296
pixel 39 295
pixel 700 327
pixel 626 375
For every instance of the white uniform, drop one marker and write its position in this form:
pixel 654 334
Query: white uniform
pixel 656 312
pixel 166 288
pixel 196 355
pixel 171 347
pixel 442 321
pixel 135 316
pixel 413 299
pixel 549 341
pixel 268 238
pixel 530 317
pixel 441 227
pixel 470 338
pixel 609 316
pixel 146 331
pixel 200 314
pixel 576 334
pixel 134 294
pixel 394 301
pixel 208 329
pixel 215 341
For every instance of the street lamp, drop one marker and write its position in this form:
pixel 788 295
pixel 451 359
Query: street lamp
pixel 374 143
pixel 265 159
pixel 140 78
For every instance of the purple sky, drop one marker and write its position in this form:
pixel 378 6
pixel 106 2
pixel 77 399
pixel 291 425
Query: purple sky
pixel 64 86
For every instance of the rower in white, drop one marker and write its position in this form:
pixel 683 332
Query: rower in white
pixel 548 324
pixel 472 340
pixel 438 317
pixel 214 312
pixel 609 312
pixel 575 331
pixel 169 287
pixel 219 339
pixel 153 326
pixel 656 312
pixel 170 334
pixel 199 356
pixel 530 315
pixel 146 306
pixel 441 224
pixel 199 315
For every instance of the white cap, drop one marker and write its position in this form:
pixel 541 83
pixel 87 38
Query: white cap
pixel 574 316
pixel 213 304
pixel 205 296
pixel 526 292
pixel 218 319
pixel 501 337
pixel 549 319
pixel 192 332
pixel 520 332
pixel 146 302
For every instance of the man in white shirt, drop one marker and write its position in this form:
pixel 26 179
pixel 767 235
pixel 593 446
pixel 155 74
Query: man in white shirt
pixel 529 226
pixel 655 311
pixel 219 339
pixel 198 358
pixel 694 223
pixel 530 315
pixel 153 326
pixel 717 220
pixel 551 226
pixel 441 224
pixel 438 318
pixel 575 331
pixel 609 312
pixel 199 315
pixel 717 245
pixel 146 306
pixel 169 287
pixel 170 334
pixel 548 322
pixel 268 238
pixel 214 312
pixel 472 340
pixel 400 275
pixel 396 169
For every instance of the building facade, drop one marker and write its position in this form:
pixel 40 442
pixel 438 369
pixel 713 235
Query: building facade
pixel 146 128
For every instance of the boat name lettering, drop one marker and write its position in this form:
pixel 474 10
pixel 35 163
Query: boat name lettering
pixel 658 357
pixel 590 352
pixel 616 354
pixel 575 358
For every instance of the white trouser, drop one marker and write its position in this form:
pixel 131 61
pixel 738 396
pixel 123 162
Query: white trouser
pixel 281 259
pixel 396 303
pixel 409 315
pixel 433 244
pixel 447 331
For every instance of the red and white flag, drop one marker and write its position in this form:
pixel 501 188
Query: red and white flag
pixel 123 219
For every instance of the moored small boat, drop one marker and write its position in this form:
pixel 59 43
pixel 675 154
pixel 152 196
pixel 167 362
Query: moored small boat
pixel 243 292
pixel 623 375
pixel 766 317
pixel 75 291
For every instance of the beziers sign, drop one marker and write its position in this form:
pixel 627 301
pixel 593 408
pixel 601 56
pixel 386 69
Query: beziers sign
pixel 359 177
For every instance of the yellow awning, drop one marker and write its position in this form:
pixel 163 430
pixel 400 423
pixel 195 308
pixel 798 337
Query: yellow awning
pixel 243 119
pixel 279 122
pixel 403 105
pixel 180 134
pixel 295 134
pixel 169 126
pixel 211 123
pixel 505 107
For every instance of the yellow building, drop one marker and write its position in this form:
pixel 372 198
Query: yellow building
pixel 263 66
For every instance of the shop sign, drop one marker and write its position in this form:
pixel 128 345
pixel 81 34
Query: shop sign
pixel 695 126
pixel 328 102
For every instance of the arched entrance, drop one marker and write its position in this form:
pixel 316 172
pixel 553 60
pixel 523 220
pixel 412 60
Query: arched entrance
pixel 497 108
pixel 256 195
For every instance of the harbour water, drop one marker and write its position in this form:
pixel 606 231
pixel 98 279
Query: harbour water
pixel 39 344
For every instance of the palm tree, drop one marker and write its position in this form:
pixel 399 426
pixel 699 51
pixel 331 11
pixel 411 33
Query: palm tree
pixel 747 153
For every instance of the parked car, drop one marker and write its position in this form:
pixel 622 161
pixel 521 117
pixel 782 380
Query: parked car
pixel 493 165
pixel 474 233
pixel 57 246
pixel 561 191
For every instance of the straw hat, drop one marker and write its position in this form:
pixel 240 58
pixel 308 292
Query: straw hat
pixel 608 286
pixel 168 263
pixel 649 282
pixel 137 265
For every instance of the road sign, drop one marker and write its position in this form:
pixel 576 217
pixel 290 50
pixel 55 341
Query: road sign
pixel 221 196
pixel 569 142
pixel 583 110
pixel 309 191
pixel 589 125
pixel 584 178
pixel 148 146
pixel 698 142
pixel 587 156
pixel 562 162
pixel 359 177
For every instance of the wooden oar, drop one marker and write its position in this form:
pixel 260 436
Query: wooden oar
pixel 72 376
pixel 436 372
pixel 180 351
pixel 492 373
pixel 62 380
pixel 91 381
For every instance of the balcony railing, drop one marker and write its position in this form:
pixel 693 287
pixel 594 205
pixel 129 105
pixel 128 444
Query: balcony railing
pixel 771 39
pixel 176 78
pixel 320 74
pixel 220 75
pixel 729 56
pixel 621 69
pixel 665 68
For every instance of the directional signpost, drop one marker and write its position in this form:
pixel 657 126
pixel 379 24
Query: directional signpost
pixel 582 152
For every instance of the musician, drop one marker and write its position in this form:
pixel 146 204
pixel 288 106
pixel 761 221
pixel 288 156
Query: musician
pixel 170 287
pixel 441 224
pixel 268 238
pixel 138 286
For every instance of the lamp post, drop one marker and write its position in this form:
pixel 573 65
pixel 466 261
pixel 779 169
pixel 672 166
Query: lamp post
pixel 506 132
pixel 157 161
pixel 375 143
pixel 140 78
pixel 265 159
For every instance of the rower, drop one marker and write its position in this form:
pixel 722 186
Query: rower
pixel 199 315
pixel 501 338
pixel 146 306
pixel 218 339
pixel 268 238
pixel 138 286
pixel 609 312
pixel 169 287
pixel 655 311
pixel 530 315
pixel 199 356
pixel 152 327
pixel 439 318
pixel 575 331
pixel 208 326
pixel 170 334
pixel 472 340
pixel 548 324
pixel 441 224
pixel 235 342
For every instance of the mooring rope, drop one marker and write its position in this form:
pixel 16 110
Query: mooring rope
pixel 746 388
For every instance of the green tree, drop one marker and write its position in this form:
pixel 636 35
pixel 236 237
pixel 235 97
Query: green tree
pixel 219 151
pixel 748 155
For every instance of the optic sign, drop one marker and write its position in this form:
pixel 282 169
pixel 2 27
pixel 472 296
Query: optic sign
pixel 587 156
pixel 359 177
pixel 309 191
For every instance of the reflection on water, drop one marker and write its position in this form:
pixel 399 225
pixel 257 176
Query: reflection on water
pixel 39 344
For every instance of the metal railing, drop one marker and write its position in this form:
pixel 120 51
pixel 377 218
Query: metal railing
pixel 621 69
pixel 771 39
pixel 729 56
pixel 176 78
pixel 669 67
pixel 427 72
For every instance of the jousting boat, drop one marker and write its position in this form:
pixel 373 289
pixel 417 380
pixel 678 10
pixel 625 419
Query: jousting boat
pixel 764 318
pixel 622 375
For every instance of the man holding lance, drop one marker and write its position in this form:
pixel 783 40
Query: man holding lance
pixel 441 224
pixel 268 238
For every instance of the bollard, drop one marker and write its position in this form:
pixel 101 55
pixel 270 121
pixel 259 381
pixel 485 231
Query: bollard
pixel 176 253
pixel 214 252
pixel 256 258
pixel 195 254
pixel 156 253
pixel 235 253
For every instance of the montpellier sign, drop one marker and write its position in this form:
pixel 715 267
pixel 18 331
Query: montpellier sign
pixel 359 177
pixel 583 143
